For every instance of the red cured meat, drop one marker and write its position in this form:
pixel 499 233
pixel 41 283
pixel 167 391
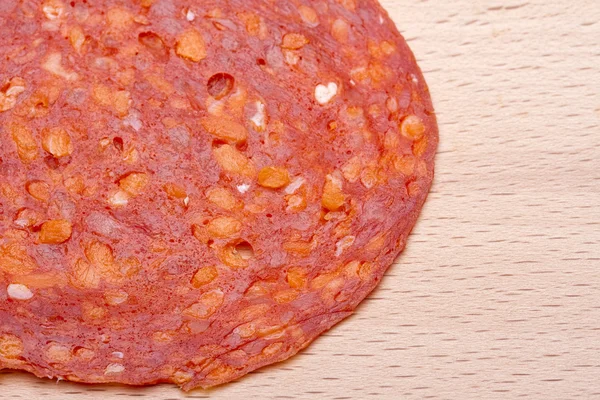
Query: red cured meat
pixel 190 190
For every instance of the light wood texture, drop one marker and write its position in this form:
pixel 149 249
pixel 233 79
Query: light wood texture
pixel 498 293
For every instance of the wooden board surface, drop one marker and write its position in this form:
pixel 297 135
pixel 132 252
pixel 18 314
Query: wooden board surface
pixel 498 293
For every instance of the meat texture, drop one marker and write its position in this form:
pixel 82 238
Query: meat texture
pixel 190 190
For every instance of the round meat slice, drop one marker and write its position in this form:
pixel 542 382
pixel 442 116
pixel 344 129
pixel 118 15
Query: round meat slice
pixel 190 190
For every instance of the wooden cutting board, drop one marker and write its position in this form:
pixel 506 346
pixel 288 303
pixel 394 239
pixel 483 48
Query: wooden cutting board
pixel 498 293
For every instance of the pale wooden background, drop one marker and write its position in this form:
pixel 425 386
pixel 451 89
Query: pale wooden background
pixel 498 293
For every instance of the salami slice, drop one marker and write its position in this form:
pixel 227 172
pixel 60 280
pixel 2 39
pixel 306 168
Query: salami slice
pixel 190 190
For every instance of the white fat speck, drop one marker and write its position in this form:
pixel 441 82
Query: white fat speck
pixel 216 108
pixel 114 369
pixel 53 65
pixel 295 185
pixel 52 12
pixel 119 199
pixel 19 292
pixel 381 20
pixel 414 79
pixel 243 188
pixel 190 16
pixel 14 90
pixel 22 223
pixel 186 201
pixel 259 117
pixel 324 94
pixel 118 354
pixel 133 120
pixel 352 82
pixel 343 244
pixel 335 179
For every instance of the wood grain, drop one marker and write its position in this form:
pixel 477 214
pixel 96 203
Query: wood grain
pixel 498 293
